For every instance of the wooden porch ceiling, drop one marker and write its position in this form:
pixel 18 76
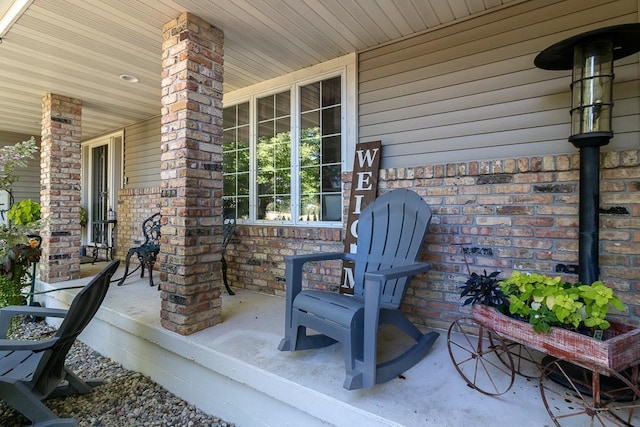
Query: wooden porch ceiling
pixel 79 48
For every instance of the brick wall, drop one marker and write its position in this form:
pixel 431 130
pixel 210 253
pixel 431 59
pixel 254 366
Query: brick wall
pixel 256 256
pixel 134 206
pixel 497 215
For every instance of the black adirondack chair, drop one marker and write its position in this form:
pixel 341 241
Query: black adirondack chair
pixel 147 252
pixel 390 233
pixel 32 371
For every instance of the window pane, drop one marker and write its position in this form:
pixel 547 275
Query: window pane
pixel 310 180
pixel 243 137
pixel 243 160
pixel 264 207
pixel 235 162
pixel 265 130
pixel 273 157
pixel 309 122
pixel 229 117
pixel 283 104
pixel 265 108
pixel 228 206
pixel 243 208
pixel 331 180
pixel 229 139
pixel 243 114
pixel 283 126
pixel 266 184
pixel 310 97
pixel 331 121
pixel 229 184
pixel 283 181
pixel 282 152
pixel 310 151
pixel 243 184
pixel 321 151
pixel 331 207
pixel 310 207
pixel 331 149
pixel 229 160
pixel 331 92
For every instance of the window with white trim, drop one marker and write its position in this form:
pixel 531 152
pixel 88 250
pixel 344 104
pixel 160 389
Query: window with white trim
pixel 282 155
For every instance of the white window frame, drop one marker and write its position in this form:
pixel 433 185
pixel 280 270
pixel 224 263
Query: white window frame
pixel 345 67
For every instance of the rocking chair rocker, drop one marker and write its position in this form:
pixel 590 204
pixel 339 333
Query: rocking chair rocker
pixel 390 233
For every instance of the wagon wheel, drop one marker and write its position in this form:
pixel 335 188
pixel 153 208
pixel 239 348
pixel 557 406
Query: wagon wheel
pixel 526 361
pixel 576 396
pixel 474 352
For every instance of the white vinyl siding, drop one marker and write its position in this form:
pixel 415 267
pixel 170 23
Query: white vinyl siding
pixel 142 154
pixel 470 91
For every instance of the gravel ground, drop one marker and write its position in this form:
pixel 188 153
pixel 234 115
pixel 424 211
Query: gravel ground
pixel 125 399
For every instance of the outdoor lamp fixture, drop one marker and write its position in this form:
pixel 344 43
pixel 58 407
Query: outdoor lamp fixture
pixel 590 56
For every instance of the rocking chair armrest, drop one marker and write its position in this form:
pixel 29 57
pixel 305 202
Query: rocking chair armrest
pixel 397 272
pixel 7 313
pixel 17 345
pixel 301 259
pixel 293 276
pixel 373 286
pixel 294 264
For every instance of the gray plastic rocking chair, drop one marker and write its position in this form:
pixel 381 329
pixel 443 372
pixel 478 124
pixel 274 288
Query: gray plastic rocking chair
pixel 390 233
pixel 31 371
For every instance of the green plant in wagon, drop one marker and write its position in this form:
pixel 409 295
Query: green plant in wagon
pixel 545 302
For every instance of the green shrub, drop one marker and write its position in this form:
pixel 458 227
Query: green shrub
pixel 10 294
pixel 25 212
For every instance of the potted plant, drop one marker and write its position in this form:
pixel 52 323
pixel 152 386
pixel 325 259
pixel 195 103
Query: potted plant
pixel 84 218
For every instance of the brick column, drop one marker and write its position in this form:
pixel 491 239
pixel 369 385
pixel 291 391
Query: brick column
pixel 60 188
pixel 191 185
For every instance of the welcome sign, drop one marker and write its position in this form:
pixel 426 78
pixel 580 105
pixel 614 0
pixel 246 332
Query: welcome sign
pixel 364 187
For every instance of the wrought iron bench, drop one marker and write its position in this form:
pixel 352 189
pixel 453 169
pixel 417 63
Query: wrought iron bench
pixel 146 252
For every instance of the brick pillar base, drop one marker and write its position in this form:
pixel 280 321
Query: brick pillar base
pixel 60 188
pixel 191 186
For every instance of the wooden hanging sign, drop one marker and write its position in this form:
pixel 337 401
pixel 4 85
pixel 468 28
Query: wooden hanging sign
pixel 364 188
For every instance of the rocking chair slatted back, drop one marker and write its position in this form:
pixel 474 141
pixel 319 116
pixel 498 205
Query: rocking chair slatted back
pixel 390 235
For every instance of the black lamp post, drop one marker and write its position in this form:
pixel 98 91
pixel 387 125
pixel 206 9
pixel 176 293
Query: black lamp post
pixel 590 55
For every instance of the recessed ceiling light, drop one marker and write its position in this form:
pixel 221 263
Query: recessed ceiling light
pixel 129 78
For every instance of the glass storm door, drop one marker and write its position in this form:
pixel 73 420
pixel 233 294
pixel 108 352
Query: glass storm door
pixel 99 192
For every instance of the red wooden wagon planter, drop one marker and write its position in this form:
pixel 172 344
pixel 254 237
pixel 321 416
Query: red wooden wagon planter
pixel 583 381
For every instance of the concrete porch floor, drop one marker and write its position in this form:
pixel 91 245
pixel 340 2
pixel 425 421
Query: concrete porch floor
pixel 234 370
